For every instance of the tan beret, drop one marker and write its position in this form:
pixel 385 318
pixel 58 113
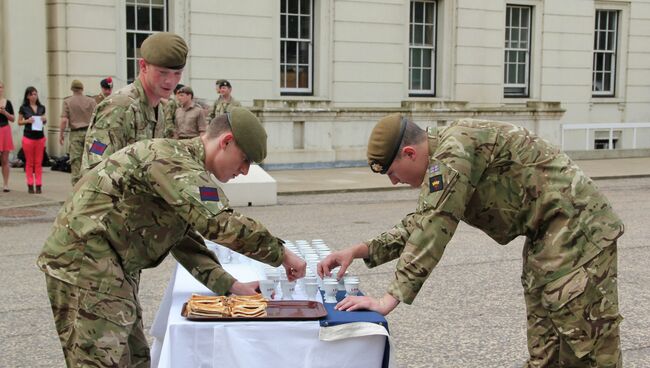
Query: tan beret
pixel 187 90
pixel 76 84
pixel 384 142
pixel 249 133
pixel 165 49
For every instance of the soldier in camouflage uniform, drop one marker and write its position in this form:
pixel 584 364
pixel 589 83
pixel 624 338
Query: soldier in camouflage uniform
pixel 225 102
pixel 135 112
pixel 504 180
pixel 75 114
pixel 128 213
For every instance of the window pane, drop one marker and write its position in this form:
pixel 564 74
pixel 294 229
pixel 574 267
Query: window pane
pixel 416 57
pixel 514 40
pixel 428 35
pixel 139 39
pixel 130 17
pixel 293 27
pixel 305 6
pixel 607 82
pixel 158 19
pixel 158 2
pixel 508 16
pixel 283 26
pixel 415 79
pixel 143 19
pixel 411 40
pixel 305 30
pixel 607 62
pixel 291 51
pixel 521 74
pixel 303 53
pixel 512 73
pixel 130 69
pixel 417 32
pixel 599 62
pixel 525 17
pixel 303 77
pixel 419 10
pixel 291 76
pixel 426 79
pixel 130 45
pixel 293 6
pixel 602 41
pixel 426 58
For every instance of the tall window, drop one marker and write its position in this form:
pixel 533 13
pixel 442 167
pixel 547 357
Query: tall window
pixel 604 69
pixel 517 51
pixel 422 48
pixel 143 18
pixel 296 46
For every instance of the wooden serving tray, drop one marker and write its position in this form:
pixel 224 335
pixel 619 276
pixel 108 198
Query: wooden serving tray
pixel 276 310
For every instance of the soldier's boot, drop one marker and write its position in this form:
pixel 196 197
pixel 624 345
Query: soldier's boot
pixel 30 189
pixel 38 189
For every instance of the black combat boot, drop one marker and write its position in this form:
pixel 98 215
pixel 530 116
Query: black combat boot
pixel 38 189
pixel 30 189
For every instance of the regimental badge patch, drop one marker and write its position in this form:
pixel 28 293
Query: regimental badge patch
pixel 209 194
pixel 98 147
pixel 434 169
pixel 436 183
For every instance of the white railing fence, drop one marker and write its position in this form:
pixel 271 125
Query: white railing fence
pixel 604 127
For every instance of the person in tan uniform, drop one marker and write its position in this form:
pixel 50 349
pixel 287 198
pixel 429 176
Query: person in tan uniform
pixel 107 89
pixel 189 117
pixel 225 102
pixel 75 115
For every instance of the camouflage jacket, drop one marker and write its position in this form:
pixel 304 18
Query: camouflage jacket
pixel 123 118
pixel 132 209
pixel 221 107
pixel 507 182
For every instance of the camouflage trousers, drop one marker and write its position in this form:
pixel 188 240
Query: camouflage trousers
pixel 96 329
pixel 75 150
pixel 574 321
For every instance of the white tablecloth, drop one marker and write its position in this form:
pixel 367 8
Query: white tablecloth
pixel 182 343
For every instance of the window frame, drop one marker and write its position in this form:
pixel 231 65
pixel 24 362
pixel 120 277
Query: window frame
pixel 296 91
pixel 596 52
pixel 433 48
pixel 134 33
pixel 525 86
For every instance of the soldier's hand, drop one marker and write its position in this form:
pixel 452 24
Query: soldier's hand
pixel 341 258
pixel 245 288
pixel 294 265
pixel 383 305
pixel 61 138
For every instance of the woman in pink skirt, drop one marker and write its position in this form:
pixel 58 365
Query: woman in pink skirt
pixel 32 116
pixel 6 143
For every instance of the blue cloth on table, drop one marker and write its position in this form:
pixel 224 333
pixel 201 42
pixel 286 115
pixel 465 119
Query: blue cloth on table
pixel 335 317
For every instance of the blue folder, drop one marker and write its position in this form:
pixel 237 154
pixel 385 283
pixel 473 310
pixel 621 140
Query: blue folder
pixel 335 317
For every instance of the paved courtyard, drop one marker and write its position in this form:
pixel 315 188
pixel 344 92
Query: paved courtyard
pixel 470 313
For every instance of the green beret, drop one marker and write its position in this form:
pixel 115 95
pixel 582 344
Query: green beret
pixel 165 49
pixel 249 133
pixel 384 142
pixel 76 84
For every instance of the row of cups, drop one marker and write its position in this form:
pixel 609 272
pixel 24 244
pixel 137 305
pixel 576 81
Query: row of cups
pixel 312 252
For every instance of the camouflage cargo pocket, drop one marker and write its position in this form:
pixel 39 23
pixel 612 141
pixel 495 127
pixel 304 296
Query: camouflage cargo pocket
pixel 119 311
pixel 563 299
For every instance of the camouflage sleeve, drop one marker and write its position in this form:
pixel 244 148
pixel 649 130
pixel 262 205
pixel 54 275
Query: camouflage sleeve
pixel 196 198
pixel 169 120
pixel 442 202
pixel 199 261
pixel 110 130
pixel 389 245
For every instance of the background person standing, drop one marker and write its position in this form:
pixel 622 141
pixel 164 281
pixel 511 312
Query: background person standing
pixel 189 117
pixel 6 141
pixel 76 113
pixel 225 102
pixel 106 85
pixel 32 116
